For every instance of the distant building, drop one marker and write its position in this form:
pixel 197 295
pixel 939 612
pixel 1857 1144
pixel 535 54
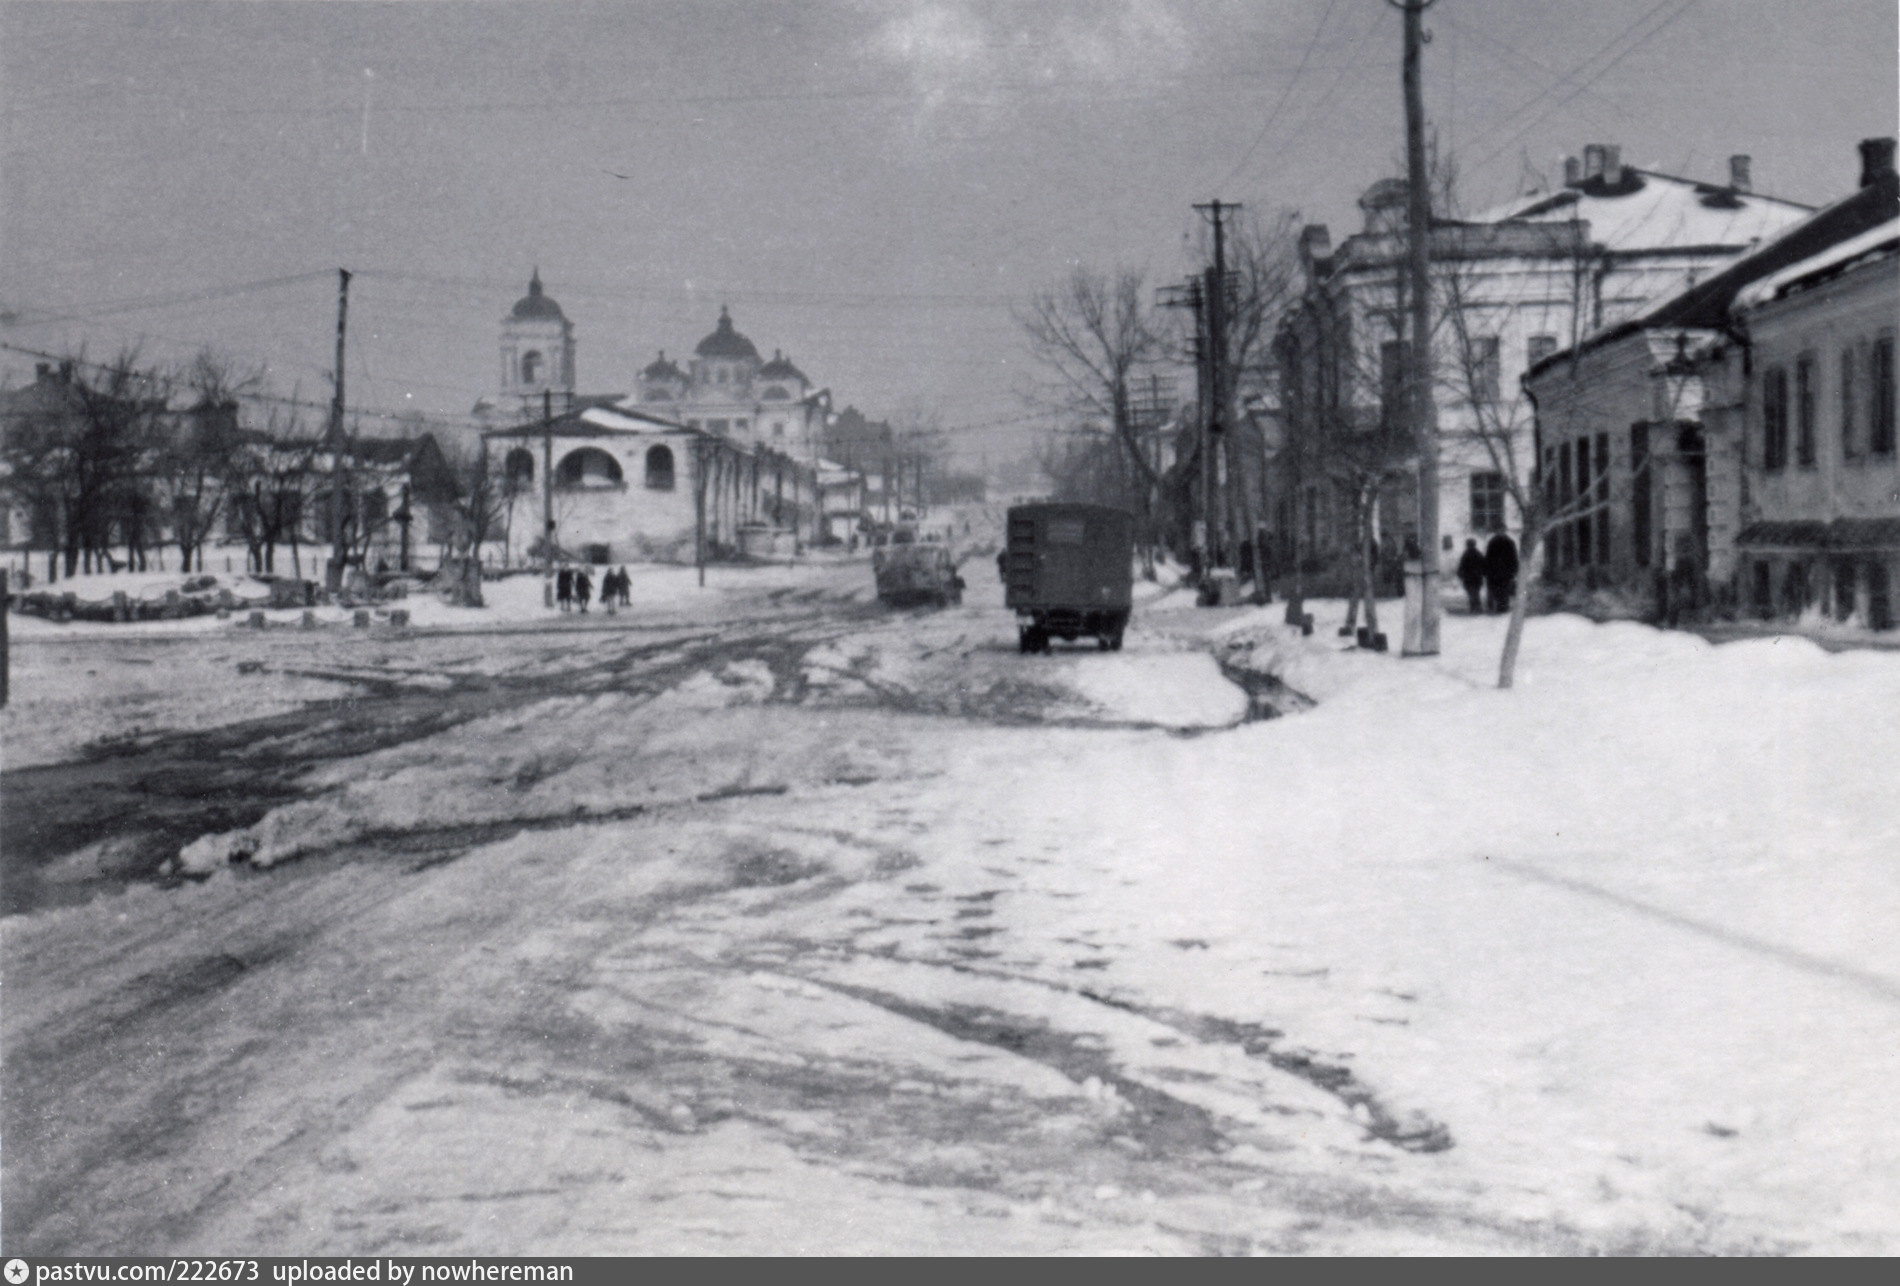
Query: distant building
pixel 727 389
pixel 1528 278
pixel 624 464
pixel 1732 445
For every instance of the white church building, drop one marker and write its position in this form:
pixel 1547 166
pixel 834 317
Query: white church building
pixel 723 451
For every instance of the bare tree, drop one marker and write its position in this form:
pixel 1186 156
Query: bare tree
pixel 1092 332
pixel 1264 284
pixel 199 463
pixel 1502 424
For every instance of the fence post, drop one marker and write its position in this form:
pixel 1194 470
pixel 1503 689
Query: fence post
pixel 6 644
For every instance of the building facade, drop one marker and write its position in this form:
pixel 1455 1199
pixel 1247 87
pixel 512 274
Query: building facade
pixel 1732 431
pixel 1512 285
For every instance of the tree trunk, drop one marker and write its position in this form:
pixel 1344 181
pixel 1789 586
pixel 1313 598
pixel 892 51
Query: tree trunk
pixel 1514 632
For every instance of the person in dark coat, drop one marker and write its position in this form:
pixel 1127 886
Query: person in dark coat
pixel 1471 576
pixel 626 588
pixel 564 588
pixel 1500 571
pixel 583 588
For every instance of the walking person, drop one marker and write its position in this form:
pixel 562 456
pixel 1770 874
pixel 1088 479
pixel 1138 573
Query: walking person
pixel 564 589
pixel 1500 571
pixel 1471 576
pixel 583 588
pixel 626 588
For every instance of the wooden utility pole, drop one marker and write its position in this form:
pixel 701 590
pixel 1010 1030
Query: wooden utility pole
pixel 1217 386
pixel 339 548
pixel 1421 634
pixel 547 478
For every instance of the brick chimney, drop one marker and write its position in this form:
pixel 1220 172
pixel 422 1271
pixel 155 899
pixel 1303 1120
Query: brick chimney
pixel 1592 161
pixel 1876 159
pixel 1738 176
pixel 1612 164
pixel 1573 172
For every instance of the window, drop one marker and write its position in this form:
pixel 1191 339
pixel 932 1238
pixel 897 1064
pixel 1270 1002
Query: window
pixel 1804 411
pixel 1843 590
pixel 659 468
pixel 1850 439
pixel 518 469
pixel 1774 419
pixel 1880 422
pixel 531 364
pixel 1640 519
pixel 1603 498
pixel 588 468
pixel 720 375
pixel 1484 369
pixel 1541 346
pixel 1487 501
pixel 717 426
pixel 738 426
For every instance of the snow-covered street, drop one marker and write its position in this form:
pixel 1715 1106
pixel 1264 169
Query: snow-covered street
pixel 766 919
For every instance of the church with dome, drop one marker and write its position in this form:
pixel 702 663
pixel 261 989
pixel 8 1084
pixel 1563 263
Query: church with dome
pixel 617 477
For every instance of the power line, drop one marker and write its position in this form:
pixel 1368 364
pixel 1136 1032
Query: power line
pixel 145 303
pixel 1641 39
pixel 1286 93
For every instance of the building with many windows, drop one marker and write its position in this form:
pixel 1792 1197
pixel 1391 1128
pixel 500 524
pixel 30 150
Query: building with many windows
pixel 1512 286
pixel 1732 445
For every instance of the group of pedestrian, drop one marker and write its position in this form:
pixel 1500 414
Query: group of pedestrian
pixel 1489 575
pixel 616 589
pixel 574 587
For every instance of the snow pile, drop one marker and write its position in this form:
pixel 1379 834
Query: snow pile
pixel 1175 690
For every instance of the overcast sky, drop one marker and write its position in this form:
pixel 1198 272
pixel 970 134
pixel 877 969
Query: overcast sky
pixel 869 184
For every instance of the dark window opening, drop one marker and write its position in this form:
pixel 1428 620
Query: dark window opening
pixel 1774 419
pixel 1881 377
pixel 1763 593
pixel 1850 441
pixel 1843 591
pixel 1640 518
pixel 1804 411
pixel 660 468
pixel 531 365
pixel 589 467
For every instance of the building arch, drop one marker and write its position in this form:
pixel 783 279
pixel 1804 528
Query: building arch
pixel 518 468
pixel 531 366
pixel 588 468
pixel 660 467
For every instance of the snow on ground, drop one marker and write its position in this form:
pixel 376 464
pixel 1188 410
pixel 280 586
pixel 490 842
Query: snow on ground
pixel 1626 933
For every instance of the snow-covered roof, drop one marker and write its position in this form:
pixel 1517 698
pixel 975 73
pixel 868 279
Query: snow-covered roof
pixel 1651 211
pixel 629 418
pixel 1884 239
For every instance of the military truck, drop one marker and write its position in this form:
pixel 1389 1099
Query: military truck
pixel 1068 570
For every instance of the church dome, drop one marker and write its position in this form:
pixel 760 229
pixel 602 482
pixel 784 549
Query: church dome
pixel 535 306
pixel 781 368
pixel 662 370
pixel 727 342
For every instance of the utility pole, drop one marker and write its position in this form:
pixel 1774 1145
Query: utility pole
pixel 547 479
pixel 1421 629
pixel 1218 385
pixel 338 547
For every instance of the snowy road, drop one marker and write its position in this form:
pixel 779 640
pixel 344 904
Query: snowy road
pixel 797 926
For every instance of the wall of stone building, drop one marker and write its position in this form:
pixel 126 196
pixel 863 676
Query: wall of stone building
pixel 1851 310
pixel 634 521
